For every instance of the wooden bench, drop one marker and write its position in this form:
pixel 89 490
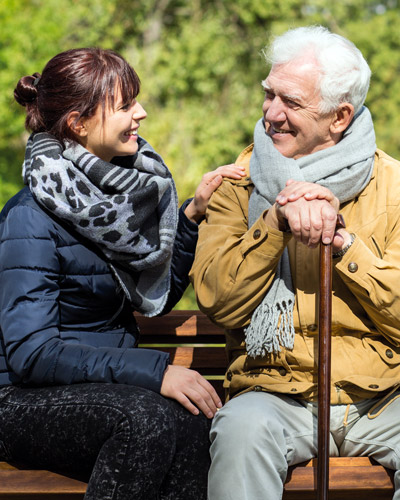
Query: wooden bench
pixel 193 341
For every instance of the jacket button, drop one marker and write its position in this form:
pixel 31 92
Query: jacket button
pixel 282 371
pixel 373 386
pixel 389 353
pixel 229 376
pixel 312 328
pixel 256 234
pixel 352 267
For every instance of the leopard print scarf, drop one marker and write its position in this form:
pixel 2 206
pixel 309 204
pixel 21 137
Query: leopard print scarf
pixel 128 208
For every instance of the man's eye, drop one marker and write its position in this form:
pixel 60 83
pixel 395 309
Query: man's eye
pixel 269 94
pixel 292 104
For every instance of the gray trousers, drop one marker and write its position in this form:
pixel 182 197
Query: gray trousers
pixel 257 435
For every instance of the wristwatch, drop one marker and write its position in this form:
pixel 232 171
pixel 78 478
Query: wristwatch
pixel 341 252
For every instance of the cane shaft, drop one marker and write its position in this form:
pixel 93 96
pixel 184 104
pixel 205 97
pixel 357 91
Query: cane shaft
pixel 324 370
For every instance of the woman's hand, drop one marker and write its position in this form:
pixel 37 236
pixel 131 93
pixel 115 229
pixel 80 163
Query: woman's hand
pixel 191 390
pixel 210 181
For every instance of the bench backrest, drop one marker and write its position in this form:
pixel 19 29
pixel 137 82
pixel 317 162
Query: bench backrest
pixel 191 339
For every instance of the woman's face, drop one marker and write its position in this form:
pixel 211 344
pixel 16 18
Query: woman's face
pixel 116 134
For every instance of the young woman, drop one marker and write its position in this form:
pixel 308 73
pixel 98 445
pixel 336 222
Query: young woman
pixel 95 235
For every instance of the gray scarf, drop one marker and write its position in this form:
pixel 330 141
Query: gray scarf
pixel 345 169
pixel 128 208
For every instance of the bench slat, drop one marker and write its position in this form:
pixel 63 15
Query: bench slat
pixel 43 484
pixel 198 357
pixel 178 324
pixel 347 475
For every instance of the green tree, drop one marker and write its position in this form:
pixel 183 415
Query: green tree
pixel 32 31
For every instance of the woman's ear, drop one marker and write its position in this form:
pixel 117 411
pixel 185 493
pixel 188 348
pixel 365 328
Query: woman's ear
pixel 76 124
pixel 342 118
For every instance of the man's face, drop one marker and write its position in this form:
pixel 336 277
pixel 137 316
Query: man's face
pixel 291 114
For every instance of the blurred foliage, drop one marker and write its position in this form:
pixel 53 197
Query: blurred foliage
pixel 200 66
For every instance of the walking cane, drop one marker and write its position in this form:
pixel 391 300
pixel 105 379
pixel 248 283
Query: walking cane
pixel 324 365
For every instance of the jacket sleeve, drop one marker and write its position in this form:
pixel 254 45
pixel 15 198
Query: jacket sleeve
pixel 182 258
pixel 373 278
pixel 234 265
pixel 29 316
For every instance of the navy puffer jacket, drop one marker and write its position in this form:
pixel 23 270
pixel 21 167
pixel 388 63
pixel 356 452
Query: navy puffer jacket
pixel 62 319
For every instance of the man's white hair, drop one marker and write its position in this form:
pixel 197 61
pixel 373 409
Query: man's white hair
pixel 345 74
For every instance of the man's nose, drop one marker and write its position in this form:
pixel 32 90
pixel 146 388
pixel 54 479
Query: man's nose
pixel 275 110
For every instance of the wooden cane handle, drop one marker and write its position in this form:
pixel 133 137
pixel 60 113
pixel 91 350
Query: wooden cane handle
pixel 340 222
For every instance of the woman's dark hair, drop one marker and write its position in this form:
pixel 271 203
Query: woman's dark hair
pixel 75 80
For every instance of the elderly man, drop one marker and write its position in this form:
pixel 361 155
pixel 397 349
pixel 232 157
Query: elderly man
pixel 256 274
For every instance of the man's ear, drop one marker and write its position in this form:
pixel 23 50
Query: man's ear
pixel 76 124
pixel 342 118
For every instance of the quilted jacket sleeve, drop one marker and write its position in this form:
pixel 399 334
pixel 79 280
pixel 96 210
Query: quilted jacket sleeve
pixel 182 259
pixel 34 349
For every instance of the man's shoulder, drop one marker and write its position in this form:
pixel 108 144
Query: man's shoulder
pixel 387 167
pixel 386 178
pixel 244 158
pixel 384 158
pixel 244 161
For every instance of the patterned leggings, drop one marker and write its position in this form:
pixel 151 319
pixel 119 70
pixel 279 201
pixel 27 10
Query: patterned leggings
pixel 130 443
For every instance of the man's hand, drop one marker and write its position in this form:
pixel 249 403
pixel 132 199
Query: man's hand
pixel 307 190
pixel 191 390
pixel 311 214
pixel 310 221
pixel 209 183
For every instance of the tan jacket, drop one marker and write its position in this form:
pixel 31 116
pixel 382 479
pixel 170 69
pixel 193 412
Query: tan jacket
pixel 234 266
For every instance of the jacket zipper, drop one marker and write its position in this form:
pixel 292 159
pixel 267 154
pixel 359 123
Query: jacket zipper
pixel 377 248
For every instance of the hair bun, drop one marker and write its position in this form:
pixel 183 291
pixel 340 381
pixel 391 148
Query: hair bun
pixel 26 90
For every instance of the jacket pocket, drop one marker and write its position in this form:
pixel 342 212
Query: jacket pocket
pixel 388 353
